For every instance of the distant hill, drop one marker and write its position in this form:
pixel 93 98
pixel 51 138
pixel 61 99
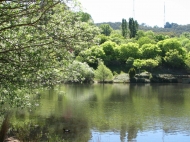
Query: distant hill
pixel 114 25
pixel 172 29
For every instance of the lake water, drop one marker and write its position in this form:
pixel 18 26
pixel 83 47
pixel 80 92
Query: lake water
pixel 114 112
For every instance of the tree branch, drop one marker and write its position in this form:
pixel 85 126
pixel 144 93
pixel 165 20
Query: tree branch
pixel 30 23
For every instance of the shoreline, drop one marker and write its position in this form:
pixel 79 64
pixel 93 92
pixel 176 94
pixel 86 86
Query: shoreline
pixel 146 77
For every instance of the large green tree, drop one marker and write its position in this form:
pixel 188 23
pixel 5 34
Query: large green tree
pixel 92 56
pixel 124 28
pixel 36 38
pixel 102 73
pixel 111 51
pixel 174 59
pixel 106 29
pixel 150 51
pixel 171 44
pixel 133 27
pixel 128 50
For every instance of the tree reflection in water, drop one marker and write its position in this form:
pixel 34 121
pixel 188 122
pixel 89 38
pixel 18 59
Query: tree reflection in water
pixel 52 129
pixel 114 111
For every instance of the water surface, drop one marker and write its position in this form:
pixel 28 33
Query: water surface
pixel 115 112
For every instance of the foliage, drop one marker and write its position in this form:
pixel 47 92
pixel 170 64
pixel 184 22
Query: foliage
pixel 159 59
pixel 170 32
pixel 138 64
pixel 170 44
pixel 37 38
pixel 110 49
pixel 150 51
pixel 124 28
pixel 185 42
pixel 117 38
pixel 159 37
pixel 102 73
pixel 133 27
pixel 92 55
pixel 78 72
pixel 187 62
pixel 140 33
pixel 151 63
pixel 132 72
pixel 174 59
pixel 186 35
pixel 102 38
pixel 106 29
pixel 129 62
pixel 150 34
pixel 115 25
pixel 145 63
pixel 128 50
pixel 145 40
pixel 85 17
pixel 22 52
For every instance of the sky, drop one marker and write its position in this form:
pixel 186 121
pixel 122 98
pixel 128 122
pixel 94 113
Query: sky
pixel 150 12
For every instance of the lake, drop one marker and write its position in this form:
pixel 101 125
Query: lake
pixel 113 113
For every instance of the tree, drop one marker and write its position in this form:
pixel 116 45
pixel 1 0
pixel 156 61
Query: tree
pixel 102 73
pixel 150 51
pixel 37 38
pixel 102 38
pixel 129 62
pixel 132 73
pixel 20 52
pixel 187 62
pixel 140 33
pixel 85 17
pixel 133 27
pixel 144 40
pixel 124 28
pixel 23 13
pixel 117 37
pixel 151 63
pixel 106 29
pixel 78 72
pixel 150 34
pixel 159 37
pixel 170 44
pixel 139 64
pixel 92 55
pixel 174 59
pixel 110 50
pixel 167 25
pixel 128 50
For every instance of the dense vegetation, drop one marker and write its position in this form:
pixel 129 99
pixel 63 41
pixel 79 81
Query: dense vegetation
pixel 43 43
pixel 38 41
pixel 48 42
pixel 170 29
pixel 148 50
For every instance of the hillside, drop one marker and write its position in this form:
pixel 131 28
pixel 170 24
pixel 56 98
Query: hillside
pixel 172 29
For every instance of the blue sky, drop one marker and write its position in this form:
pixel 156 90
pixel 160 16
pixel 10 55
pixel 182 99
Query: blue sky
pixel 150 12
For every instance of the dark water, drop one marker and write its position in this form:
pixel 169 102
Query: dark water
pixel 115 112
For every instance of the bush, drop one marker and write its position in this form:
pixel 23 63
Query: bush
pixel 78 72
pixel 102 73
pixel 132 73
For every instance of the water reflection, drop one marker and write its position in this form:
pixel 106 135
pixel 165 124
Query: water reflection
pixel 114 112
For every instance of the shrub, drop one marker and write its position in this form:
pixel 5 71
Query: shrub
pixel 102 73
pixel 78 72
pixel 132 73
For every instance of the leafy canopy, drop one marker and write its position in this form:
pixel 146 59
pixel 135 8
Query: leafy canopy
pixel 102 73
pixel 37 38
